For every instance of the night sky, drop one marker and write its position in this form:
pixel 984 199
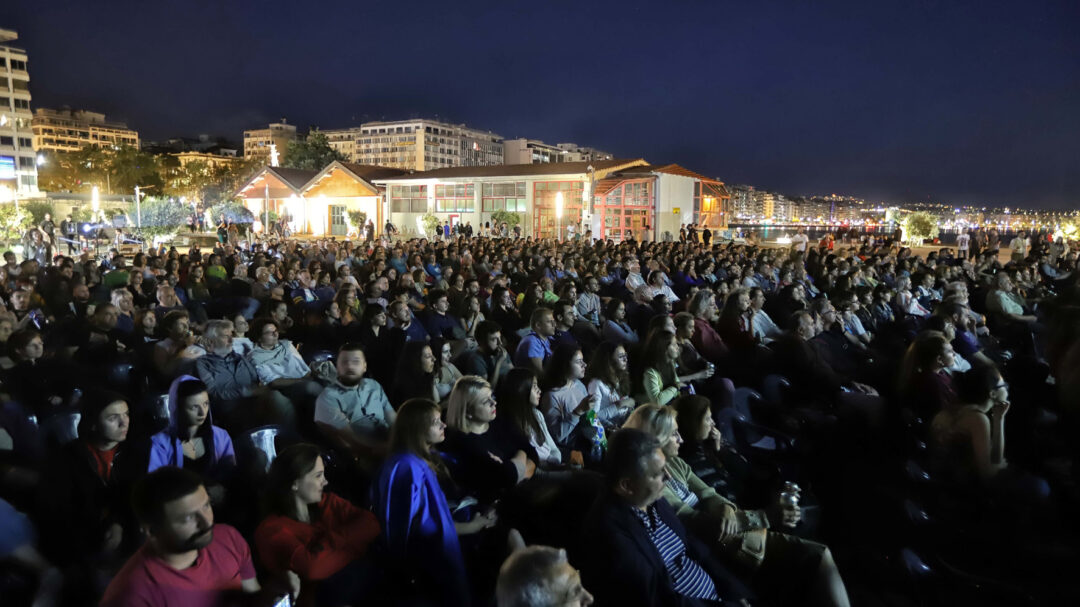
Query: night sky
pixel 948 101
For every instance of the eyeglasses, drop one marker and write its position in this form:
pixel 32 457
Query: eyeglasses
pixel 1001 385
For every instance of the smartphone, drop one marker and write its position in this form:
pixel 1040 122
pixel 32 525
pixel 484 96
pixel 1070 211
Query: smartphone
pixel 284 601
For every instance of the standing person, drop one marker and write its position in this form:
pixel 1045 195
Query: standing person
pixel 70 230
pixel 446 230
pixel 187 560
pixel 223 230
pixel 49 228
pixel 800 241
pixel 706 236
pixel 1019 247
pixel 963 242
pixel 571 231
pixel 390 230
pixel 369 231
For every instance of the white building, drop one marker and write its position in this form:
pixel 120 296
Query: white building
pixel 531 151
pixel 18 162
pixel 417 145
pixel 573 152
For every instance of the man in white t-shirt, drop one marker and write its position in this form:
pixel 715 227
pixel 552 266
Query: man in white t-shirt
pixel 800 240
pixel 963 241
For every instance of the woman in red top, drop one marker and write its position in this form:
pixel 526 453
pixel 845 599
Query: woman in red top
pixel 314 534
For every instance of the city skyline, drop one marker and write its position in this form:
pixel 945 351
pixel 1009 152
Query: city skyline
pixel 959 102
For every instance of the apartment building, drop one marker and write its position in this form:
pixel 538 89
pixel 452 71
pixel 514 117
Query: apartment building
pixel 417 145
pixel 258 142
pixel 18 163
pixel 68 130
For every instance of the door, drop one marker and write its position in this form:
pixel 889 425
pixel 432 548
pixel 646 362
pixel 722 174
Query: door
pixel 337 221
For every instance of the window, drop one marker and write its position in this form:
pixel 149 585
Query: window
pixel 3 83
pixel 29 181
pixel 3 62
pixel 7 141
pixel 408 199
pixel 26 163
pixel 17 65
pixel 26 142
pixel 20 85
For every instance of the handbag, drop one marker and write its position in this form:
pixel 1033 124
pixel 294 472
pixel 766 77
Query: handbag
pixel 747 546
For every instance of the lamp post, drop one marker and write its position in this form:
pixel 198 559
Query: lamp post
pixel 558 216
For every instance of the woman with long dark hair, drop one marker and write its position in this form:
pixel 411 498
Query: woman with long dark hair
pixel 608 378
pixel 408 500
pixel 379 346
pixel 415 374
pixel 519 412
pixel 312 532
pixel 566 398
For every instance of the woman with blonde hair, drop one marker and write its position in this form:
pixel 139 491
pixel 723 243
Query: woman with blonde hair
pixel 784 569
pixel 484 463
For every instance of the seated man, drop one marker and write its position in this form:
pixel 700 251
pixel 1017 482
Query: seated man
pixel 540 576
pixel 535 348
pixel 187 560
pixel 304 295
pixel 233 383
pixel 354 410
pixel 437 319
pixel 489 359
pixel 279 364
pixel 405 325
pixel 636 550
pixel 565 316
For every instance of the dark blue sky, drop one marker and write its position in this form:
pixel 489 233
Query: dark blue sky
pixel 954 101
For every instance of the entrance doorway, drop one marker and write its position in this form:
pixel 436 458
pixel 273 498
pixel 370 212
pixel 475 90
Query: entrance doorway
pixel 337 221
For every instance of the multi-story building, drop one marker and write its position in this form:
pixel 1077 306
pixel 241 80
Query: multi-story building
pixel 343 141
pixel 418 145
pixel 68 130
pixel 530 151
pixel 258 142
pixel 573 152
pixel 18 163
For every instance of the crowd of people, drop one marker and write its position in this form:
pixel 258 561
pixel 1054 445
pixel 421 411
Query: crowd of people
pixel 490 419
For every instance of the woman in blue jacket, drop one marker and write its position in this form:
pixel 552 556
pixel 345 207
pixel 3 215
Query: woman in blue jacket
pixel 412 509
pixel 191 440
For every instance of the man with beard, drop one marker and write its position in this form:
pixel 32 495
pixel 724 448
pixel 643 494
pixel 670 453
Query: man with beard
pixel 354 410
pixel 187 560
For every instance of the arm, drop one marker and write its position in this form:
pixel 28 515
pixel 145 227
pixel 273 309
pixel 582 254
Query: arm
pixel 655 390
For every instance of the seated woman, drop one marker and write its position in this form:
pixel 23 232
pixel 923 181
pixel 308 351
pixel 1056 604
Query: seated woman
pixel 446 374
pixel 608 377
pixel 784 569
pixel 616 329
pixel 191 440
pixel 484 463
pixel 519 395
pixel 378 342
pixel 313 533
pixel 566 398
pixel 925 385
pixel 703 448
pixel 408 500
pixel 83 506
pixel 415 375
pixel 968 437
pixel 660 381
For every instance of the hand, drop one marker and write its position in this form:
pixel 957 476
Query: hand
pixel 496 457
pixel 487 520
pixel 585 404
pixel 716 438
pixel 865 389
pixel 113 536
pixel 294 583
pixel 999 410
pixel 729 524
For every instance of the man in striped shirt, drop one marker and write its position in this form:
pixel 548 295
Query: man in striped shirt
pixel 638 553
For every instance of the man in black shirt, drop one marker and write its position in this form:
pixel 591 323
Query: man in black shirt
pixel 490 359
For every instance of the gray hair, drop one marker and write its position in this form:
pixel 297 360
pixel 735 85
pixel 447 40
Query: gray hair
pixel 526 580
pixel 214 329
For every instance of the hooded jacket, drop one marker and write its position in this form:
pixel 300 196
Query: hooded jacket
pixel 165 447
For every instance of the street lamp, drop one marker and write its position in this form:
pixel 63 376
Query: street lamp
pixel 558 216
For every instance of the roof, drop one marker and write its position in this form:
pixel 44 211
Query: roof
pixel 362 172
pixel 523 170
pixel 294 179
pixel 368 172
pixel 671 169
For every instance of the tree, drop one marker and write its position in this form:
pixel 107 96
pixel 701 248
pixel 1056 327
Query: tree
pixel 501 217
pixel 313 153
pixel 919 226
pixel 129 167
pixel 431 225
